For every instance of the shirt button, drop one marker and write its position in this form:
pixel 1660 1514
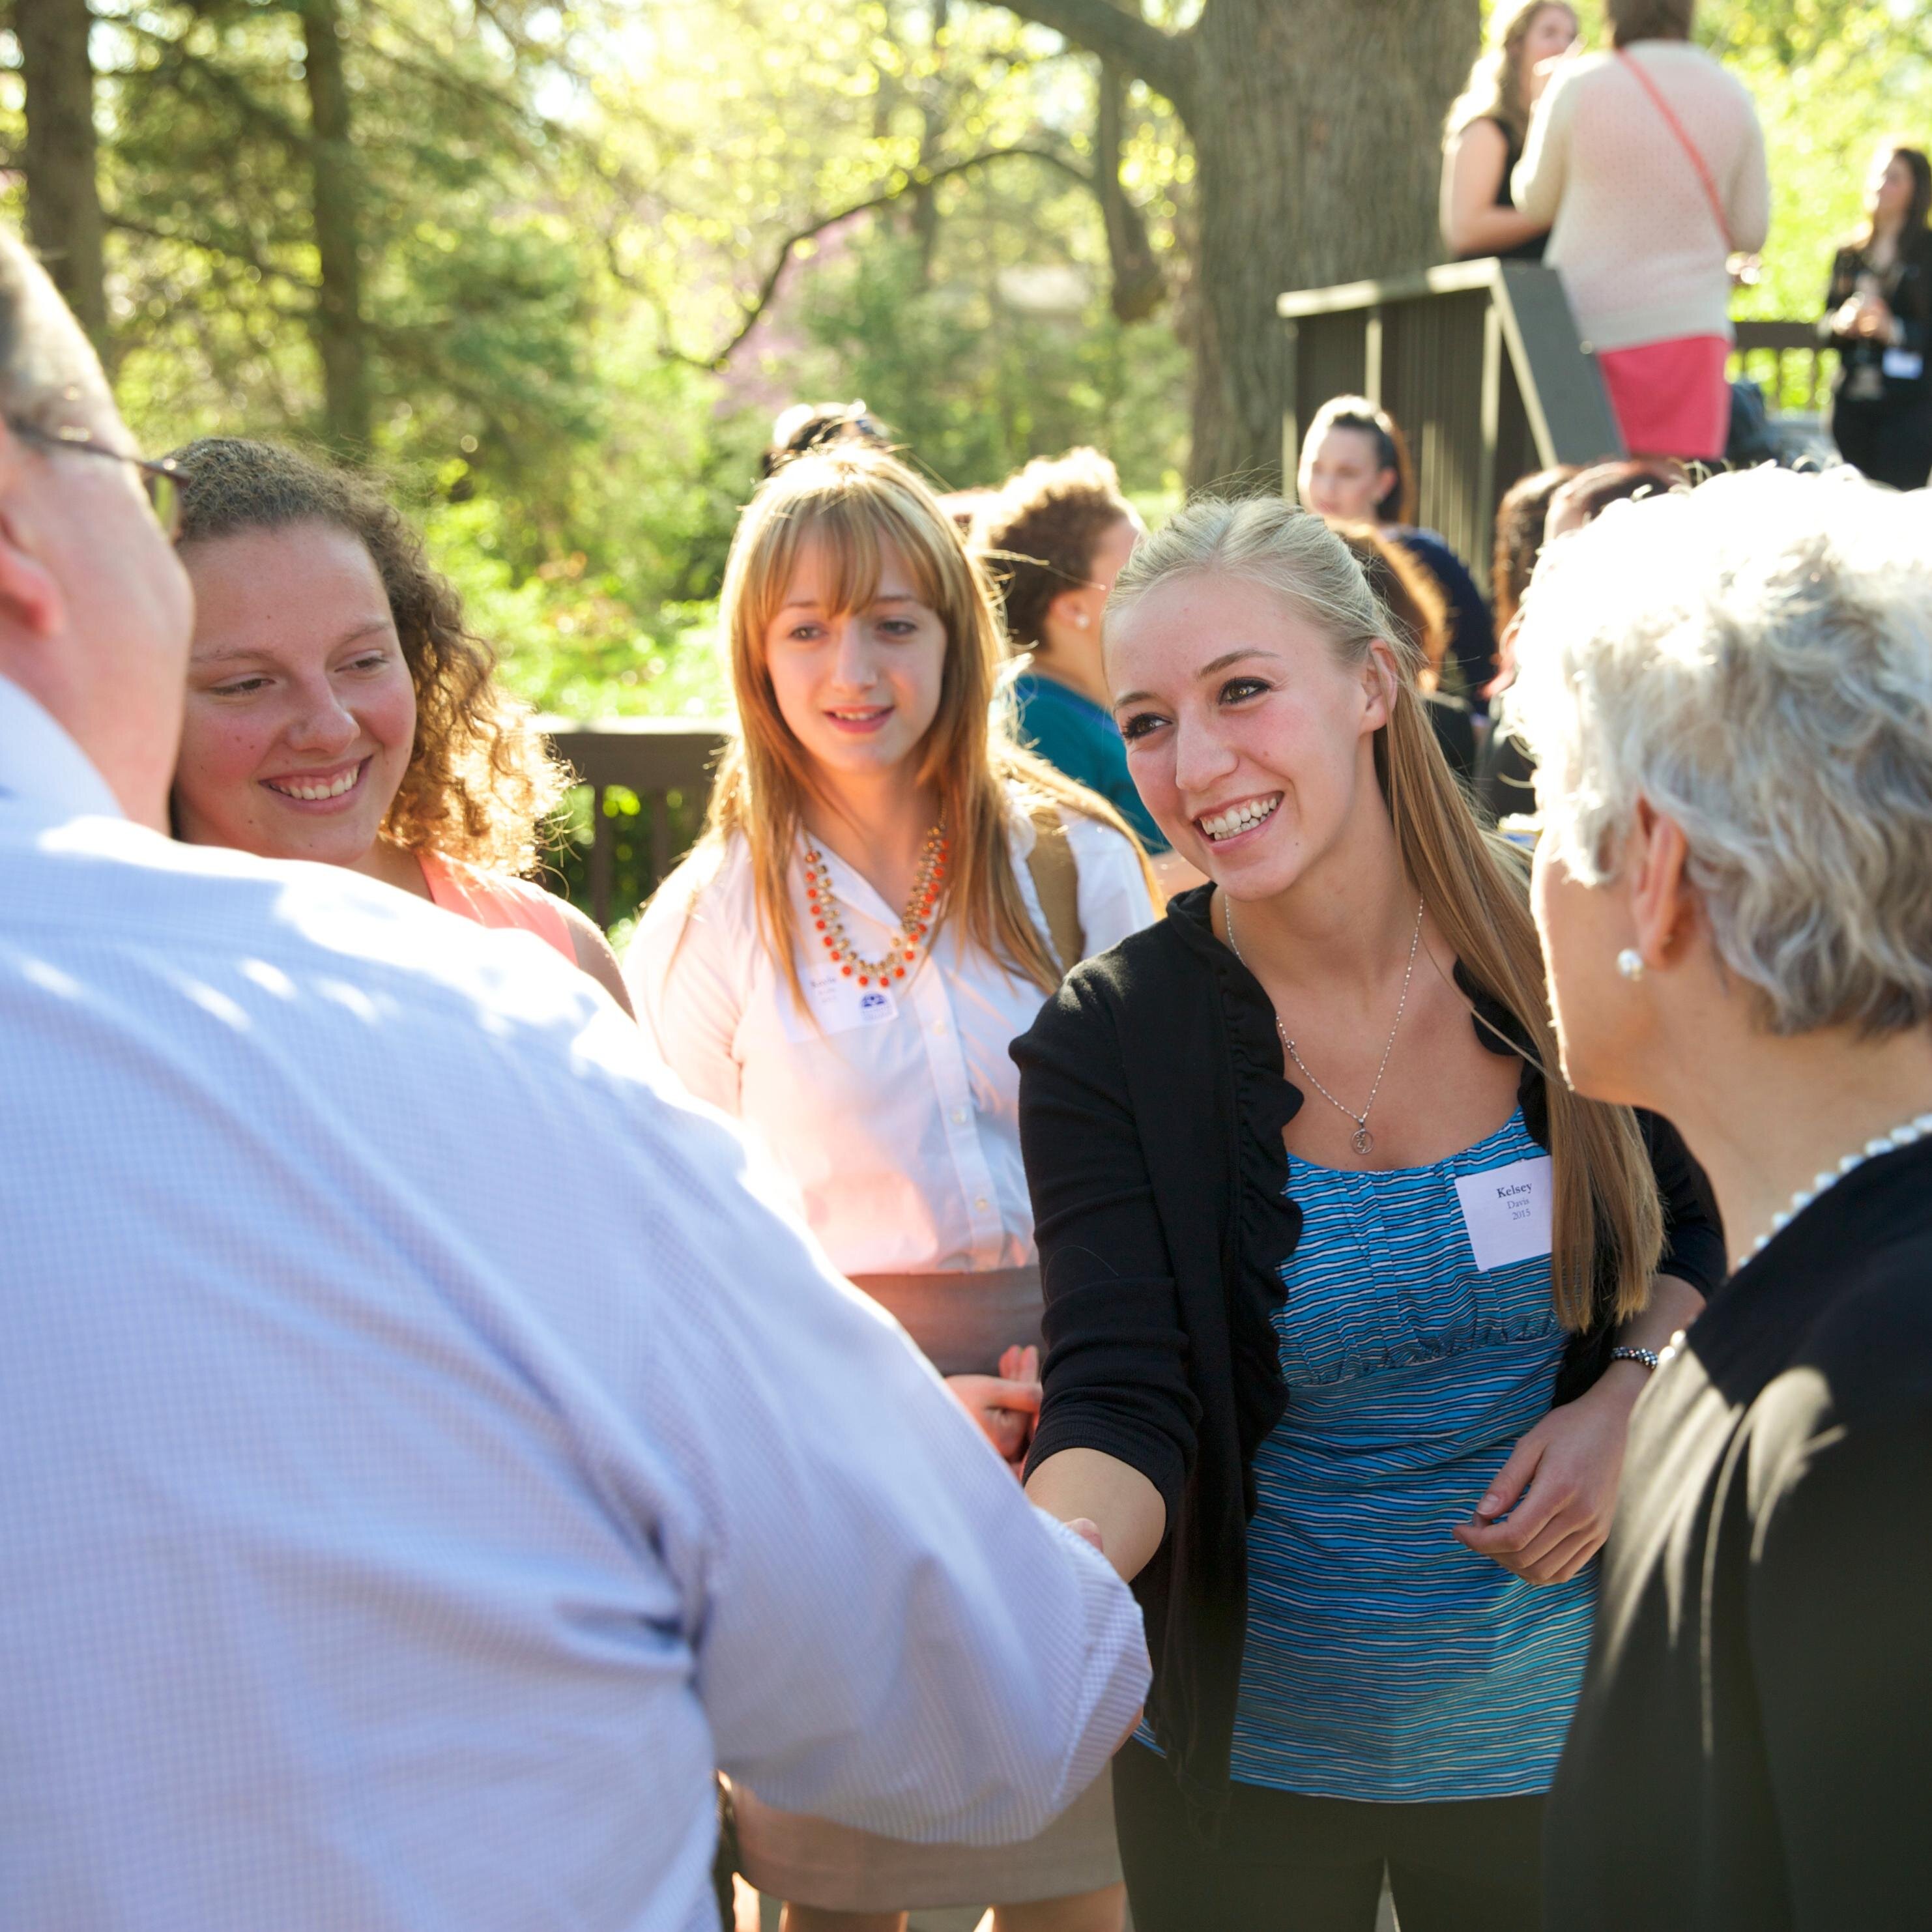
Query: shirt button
pixel 980 1201
pixel 939 1028
pixel 959 1117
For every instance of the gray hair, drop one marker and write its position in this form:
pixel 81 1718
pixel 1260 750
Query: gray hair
pixel 1754 658
pixel 46 367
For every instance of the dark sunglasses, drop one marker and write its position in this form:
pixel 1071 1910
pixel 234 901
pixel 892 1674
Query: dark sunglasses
pixel 162 480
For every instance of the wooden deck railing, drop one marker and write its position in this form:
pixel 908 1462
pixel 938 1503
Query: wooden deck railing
pixel 648 779
pixel 1482 365
pixel 1785 359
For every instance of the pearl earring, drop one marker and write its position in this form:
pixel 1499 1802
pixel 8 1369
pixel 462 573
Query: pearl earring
pixel 1630 963
pixel 1080 618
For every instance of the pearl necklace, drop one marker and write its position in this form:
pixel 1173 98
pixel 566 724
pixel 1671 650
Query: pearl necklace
pixel 916 922
pixel 1823 1183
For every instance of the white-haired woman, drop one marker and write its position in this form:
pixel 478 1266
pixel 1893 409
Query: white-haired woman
pixel 1730 695
pixel 1347 1302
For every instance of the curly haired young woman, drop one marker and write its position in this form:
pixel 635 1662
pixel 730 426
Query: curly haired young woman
pixel 339 710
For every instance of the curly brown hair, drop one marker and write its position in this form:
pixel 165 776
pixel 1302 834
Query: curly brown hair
pixel 481 780
pixel 1036 535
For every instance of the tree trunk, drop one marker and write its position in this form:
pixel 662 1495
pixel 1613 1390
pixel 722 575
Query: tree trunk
pixel 1139 282
pixel 1316 127
pixel 340 339
pixel 63 220
pixel 1317 141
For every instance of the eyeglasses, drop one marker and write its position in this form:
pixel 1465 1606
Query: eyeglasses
pixel 162 480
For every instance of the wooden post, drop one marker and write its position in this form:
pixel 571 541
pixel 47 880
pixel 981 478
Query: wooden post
pixel 600 860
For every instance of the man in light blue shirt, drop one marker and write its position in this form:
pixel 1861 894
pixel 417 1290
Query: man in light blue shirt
pixel 426 1457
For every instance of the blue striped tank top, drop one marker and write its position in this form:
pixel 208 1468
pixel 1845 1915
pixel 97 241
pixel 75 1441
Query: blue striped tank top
pixel 1384 1661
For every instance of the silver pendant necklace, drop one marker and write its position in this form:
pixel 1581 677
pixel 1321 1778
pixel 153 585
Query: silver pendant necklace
pixel 1361 1140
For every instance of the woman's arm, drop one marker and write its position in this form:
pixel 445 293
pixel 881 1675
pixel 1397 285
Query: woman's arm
pixel 1085 1484
pixel 1550 1507
pixel 1472 170
pixel 685 976
pixel 1537 187
pixel 1116 1429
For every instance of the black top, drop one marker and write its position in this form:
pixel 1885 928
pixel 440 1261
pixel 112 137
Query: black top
pixel 1152 1103
pixel 1472 634
pixel 1530 250
pixel 1906 286
pixel 1752 1751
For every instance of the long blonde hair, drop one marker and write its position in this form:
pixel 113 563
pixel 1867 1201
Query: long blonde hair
pixel 1472 884
pixel 1495 88
pixel 857 504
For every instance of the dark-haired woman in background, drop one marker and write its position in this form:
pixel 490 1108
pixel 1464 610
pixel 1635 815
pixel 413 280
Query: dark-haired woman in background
pixel 1485 130
pixel 1355 466
pixel 1878 316
pixel 340 710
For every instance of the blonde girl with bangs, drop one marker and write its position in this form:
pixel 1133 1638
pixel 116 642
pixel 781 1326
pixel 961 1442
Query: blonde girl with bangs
pixel 887 889
pixel 1350 1296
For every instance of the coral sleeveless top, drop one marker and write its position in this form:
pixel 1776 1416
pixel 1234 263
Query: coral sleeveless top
pixel 493 899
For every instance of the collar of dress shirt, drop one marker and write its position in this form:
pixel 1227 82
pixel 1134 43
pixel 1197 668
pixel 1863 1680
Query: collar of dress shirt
pixel 41 764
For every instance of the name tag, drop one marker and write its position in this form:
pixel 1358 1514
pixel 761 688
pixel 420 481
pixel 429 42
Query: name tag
pixel 1902 366
pixel 838 1004
pixel 1507 1212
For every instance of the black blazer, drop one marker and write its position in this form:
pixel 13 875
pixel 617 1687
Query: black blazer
pixel 1152 1103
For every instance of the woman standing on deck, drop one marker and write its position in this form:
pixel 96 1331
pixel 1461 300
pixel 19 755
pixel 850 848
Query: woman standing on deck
pixel 886 892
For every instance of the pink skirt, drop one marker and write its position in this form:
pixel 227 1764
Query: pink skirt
pixel 1671 398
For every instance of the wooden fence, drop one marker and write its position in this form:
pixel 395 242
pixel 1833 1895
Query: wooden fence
pixel 649 780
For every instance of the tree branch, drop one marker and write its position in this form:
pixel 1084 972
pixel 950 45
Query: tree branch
pixel 223 251
pixel 910 180
pixel 1164 60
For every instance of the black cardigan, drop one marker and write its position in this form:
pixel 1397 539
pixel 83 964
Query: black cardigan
pixel 1152 1103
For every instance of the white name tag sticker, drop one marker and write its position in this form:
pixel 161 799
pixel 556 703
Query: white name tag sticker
pixel 1902 366
pixel 1507 1212
pixel 838 1005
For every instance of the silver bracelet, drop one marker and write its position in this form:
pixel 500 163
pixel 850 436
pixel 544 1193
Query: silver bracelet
pixel 1648 1357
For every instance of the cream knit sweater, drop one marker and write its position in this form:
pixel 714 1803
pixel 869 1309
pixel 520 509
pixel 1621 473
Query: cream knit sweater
pixel 1632 231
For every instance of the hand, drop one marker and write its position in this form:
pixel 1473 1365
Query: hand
pixel 1088 1531
pixel 1559 1489
pixel 1005 1407
pixel 1874 319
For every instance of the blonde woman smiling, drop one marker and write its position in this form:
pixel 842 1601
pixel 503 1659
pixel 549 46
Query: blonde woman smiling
pixel 1350 1300
pixel 886 892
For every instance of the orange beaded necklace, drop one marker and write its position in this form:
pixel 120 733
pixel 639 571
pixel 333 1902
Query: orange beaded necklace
pixel 916 922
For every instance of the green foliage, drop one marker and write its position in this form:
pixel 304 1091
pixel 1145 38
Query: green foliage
pixel 582 300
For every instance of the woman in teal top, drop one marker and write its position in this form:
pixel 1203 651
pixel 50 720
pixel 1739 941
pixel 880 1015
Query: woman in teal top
pixel 1054 537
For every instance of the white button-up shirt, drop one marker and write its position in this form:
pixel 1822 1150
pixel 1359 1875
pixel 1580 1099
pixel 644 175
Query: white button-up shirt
pixel 425 1459
pixel 895 1112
